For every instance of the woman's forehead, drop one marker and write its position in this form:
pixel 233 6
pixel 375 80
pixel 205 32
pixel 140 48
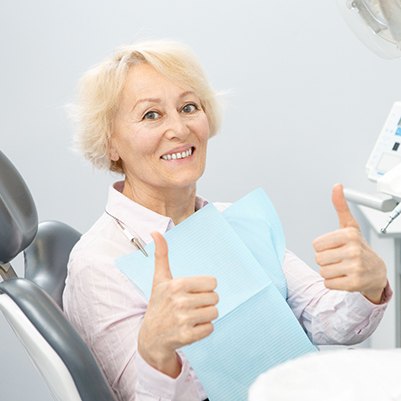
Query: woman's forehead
pixel 144 81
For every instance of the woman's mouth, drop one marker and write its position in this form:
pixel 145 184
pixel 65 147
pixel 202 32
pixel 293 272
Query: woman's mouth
pixel 178 155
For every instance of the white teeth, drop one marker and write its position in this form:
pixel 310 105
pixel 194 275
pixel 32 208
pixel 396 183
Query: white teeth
pixel 180 155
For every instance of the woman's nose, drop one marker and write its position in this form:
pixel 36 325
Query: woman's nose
pixel 176 126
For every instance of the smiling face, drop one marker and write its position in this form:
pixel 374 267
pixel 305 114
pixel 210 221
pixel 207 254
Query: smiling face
pixel 160 132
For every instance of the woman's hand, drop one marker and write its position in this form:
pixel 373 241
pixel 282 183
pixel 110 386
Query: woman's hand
pixel 346 261
pixel 180 312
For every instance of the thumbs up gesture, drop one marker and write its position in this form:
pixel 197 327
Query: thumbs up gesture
pixel 180 311
pixel 346 261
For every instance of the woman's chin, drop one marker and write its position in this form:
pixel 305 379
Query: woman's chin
pixel 182 182
pixel 184 179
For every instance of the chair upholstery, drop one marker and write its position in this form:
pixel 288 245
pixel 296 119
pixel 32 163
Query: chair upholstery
pixel 46 257
pixel 18 216
pixel 32 305
pixel 42 312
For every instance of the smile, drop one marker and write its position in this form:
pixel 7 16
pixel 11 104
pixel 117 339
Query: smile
pixel 178 155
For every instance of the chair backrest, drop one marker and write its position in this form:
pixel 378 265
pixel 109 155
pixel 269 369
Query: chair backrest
pixel 32 305
pixel 18 215
pixel 55 347
pixel 46 247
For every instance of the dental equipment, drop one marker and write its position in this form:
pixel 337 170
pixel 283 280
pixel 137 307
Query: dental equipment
pixel 377 23
pixel 135 240
pixel 394 214
pixel 384 168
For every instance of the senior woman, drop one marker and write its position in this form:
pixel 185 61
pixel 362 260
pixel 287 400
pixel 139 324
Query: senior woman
pixel 148 112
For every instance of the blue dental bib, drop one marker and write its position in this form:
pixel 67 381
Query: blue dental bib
pixel 243 247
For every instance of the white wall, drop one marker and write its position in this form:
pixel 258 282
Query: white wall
pixel 307 100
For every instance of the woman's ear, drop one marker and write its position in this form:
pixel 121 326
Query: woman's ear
pixel 114 155
pixel 113 152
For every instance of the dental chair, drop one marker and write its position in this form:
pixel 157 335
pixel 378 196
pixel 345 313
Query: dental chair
pixel 32 305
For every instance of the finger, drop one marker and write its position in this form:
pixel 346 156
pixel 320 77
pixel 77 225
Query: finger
pixel 199 300
pixel 162 267
pixel 331 240
pixel 350 252
pixel 197 284
pixel 334 271
pixel 345 218
pixel 203 315
pixel 330 256
pixel 338 238
pixel 202 330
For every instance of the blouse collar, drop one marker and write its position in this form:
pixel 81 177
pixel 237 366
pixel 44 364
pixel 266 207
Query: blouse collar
pixel 139 219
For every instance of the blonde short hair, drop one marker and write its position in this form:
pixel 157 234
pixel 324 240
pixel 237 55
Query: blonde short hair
pixel 100 89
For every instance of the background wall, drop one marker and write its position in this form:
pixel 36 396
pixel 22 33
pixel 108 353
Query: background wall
pixel 306 101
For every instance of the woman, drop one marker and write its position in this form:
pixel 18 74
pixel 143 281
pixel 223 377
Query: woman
pixel 148 113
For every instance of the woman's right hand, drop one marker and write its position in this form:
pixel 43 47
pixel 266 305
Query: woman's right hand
pixel 180 311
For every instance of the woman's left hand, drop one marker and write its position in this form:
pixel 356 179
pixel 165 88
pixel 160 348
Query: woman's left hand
pixel 346 260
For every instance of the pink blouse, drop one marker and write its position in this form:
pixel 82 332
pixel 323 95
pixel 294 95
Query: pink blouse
pixel 107 309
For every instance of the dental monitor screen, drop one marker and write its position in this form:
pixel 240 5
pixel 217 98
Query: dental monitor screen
pixel 386 153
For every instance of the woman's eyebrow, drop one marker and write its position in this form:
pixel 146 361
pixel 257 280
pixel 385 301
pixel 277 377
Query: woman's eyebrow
pixel 186 93
pixel 146 100
pixel 158 100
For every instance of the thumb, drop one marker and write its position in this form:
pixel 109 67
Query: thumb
pixel 345 218
pixel 162 266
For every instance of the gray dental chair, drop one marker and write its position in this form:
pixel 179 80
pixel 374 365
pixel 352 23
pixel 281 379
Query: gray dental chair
pixel 32 305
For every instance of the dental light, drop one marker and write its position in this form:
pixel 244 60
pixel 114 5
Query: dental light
pixel 377 23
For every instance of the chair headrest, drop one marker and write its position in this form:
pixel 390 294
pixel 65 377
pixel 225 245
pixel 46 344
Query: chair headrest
pixel 18 215
pixel 46 258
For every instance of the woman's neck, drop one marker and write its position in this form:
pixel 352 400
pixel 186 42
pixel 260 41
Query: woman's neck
pixel 178 204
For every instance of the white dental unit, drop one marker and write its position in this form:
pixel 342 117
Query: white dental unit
pixel 380 210
pixel 384 164
pixel 378 24
pixel 384 168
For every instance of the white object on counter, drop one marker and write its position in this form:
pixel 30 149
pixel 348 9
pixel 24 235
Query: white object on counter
pixel 345 375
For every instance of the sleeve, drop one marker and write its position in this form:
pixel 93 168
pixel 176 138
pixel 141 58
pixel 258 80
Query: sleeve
pixel 329 316
pixel 107 310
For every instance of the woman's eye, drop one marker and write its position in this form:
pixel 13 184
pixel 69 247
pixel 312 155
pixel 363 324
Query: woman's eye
pixel 190 108
pixel 151 115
